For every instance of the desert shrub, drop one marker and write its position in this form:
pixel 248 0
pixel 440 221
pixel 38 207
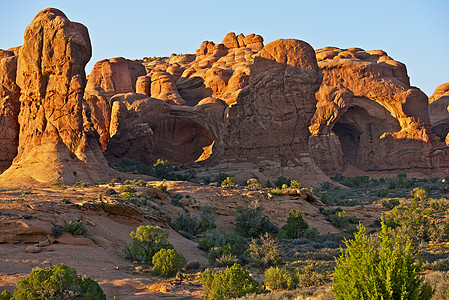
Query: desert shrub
pixel 253 184
pixel 5 295
pixel 295 184
pixel 382 192
pixel 219 243
pixel 81 184
pixel 309 277
pixel 268 185
pixel 378 269
pixel 56 231
pixel 195 224
pixel 229 182
pixel 265 251
pixel 234 282
pixel 167 262
pixel 250 222
pixel 221 177
pixel 75 227
pixel 295 226
pixel 146 241
pixel 126 189
pixel 279 279
pixel 415 220
pixel 57 282
pixel 419 194
pixel 226 259
pixel 127 196
pixel 341 220
pixel 280 181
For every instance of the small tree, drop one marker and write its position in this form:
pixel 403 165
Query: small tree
pixel 378 269
pixel 250 222
pixel 146 241
pixel 234 282
pixel 167 262
pixel 57 282
pixel 295 226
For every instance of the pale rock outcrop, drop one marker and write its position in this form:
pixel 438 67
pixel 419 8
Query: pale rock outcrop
pixel 9 108
pixel 55 141
pixel 369 116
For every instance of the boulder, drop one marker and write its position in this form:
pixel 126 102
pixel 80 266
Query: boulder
pixel 56 142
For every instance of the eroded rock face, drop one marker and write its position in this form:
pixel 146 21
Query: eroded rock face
pixel 268 125
pixel 145 129
pixel 439 113
pixel 54 141
pixel 109 77
pixel 9 108
pixel 368 115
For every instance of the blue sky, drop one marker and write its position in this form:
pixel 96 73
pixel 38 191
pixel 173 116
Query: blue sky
pixel 414 32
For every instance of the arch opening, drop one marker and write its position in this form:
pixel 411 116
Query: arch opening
pixel 441 130
pixel 181 141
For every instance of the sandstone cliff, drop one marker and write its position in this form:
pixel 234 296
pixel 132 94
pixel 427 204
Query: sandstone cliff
pixel 9 108
pixel 56 141
pixel 369 116
pixel 439 113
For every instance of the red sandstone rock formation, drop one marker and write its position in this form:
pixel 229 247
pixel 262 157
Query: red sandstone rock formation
pixel 368 115
pixel 145 129
pixel 267 128
pixel 55 143
pixel 109 77
pixel 9 108
pixel 439 113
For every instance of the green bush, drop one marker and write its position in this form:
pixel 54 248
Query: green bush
pixel 253 184
pixel 229 182
pixel 279 279
pixel 5 295
pixel 250 222
pixel 219 244
pixel 340 220
pixel 167 262
pixel 391 203
pixel 195 224
pixel 221 177
pixel 309 277
pixel 126 189
pixel 295 184
pixel 419 194
pixel 265 251
pixel 295 226
pixel 146 241
pixel 75 227
pixel 378 269
pixel 234 282
pixel 57 282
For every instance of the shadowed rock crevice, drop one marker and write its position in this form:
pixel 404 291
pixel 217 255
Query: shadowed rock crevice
pixel 179 141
